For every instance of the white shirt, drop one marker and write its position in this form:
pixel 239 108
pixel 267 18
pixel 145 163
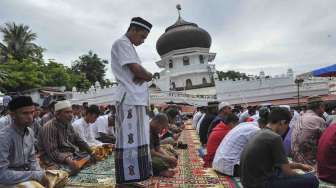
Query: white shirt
pixel 5 120
pixel 198 125
pixel 83 129
pixel 243 116
pixel 196 118
pixel 74 118
pixel 255 117
pixel 123 53
pixel 295 118
pixel 228 152
pixel 101 126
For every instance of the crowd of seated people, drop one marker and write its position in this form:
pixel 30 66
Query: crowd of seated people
pixel 166 127
pixel 270 146
pixel 57 136
pixel 264 146
pixel 64 136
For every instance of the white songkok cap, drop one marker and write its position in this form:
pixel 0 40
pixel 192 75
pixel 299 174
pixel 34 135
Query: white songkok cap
pixel 60 105
pixel 222 105
pixel 285 106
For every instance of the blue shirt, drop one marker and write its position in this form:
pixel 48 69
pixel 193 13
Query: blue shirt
pixel 17 156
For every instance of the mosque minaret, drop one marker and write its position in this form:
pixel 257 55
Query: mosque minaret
pixel 185 59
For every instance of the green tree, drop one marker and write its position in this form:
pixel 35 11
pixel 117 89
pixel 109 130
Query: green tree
pixel 92 67
pixel 80 82
pixel 22 75
pixel 56 74
pixel 24 67
pixel 59 75
pixel 18 42
pixel 28 74
pixel 3 75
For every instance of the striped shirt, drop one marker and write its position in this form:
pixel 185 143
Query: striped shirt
pixel 17 156
pixel 59 141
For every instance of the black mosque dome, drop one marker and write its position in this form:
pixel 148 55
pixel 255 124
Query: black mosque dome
pixel 182 35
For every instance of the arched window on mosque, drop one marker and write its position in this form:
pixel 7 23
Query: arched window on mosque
pixel 170 64
pixel 204 81
pixel 188 83
pixel 186 61
pixel 201 58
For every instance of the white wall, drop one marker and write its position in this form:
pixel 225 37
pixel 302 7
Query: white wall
pixel 98 96
pixel 196 79
pixel 243 91
pixel 202 91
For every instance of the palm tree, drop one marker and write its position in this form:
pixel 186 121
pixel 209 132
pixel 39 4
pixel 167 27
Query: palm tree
pixel 3 76
pixel 18 43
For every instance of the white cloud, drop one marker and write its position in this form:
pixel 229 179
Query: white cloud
pixel 247 36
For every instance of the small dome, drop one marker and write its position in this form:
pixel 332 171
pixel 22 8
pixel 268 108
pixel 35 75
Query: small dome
pixel 182 35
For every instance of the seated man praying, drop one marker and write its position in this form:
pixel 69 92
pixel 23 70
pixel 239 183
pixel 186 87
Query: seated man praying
pixel 227 157
pixel 163 161
pixel 216 136
pixel 83 125
pixel 18 163
pixel 60 146
pixel 263 162
pixel 104 128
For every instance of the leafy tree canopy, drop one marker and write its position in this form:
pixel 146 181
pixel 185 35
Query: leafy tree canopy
pixel 18 43
pixel 22 66
pixel 92 66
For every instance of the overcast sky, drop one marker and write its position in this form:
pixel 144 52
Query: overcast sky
pixel 247 35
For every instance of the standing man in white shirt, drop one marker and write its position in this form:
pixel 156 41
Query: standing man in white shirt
pixel 132 156
pixel 197 116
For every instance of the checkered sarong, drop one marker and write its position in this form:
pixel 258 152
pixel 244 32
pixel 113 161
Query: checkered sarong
pixel 132 155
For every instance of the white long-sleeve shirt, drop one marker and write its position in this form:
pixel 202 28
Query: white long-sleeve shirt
pixel 198 125
pixel 101 126
pixel 196 118
pixel 83 129
pixel 228 152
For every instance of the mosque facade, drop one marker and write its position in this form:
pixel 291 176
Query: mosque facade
pixel 189 76
pixel 186 61
pixel 188 66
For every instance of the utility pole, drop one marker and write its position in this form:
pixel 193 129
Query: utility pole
pixel 298 82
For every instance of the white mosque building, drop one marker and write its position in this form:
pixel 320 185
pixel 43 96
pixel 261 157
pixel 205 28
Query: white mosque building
pixel 189 76
pixel 186 59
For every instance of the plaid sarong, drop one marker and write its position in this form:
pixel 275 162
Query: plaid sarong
pixel 132 156
pixel 26 184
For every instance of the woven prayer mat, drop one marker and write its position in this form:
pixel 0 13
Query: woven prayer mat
pixel 100 174
pixel 191 173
